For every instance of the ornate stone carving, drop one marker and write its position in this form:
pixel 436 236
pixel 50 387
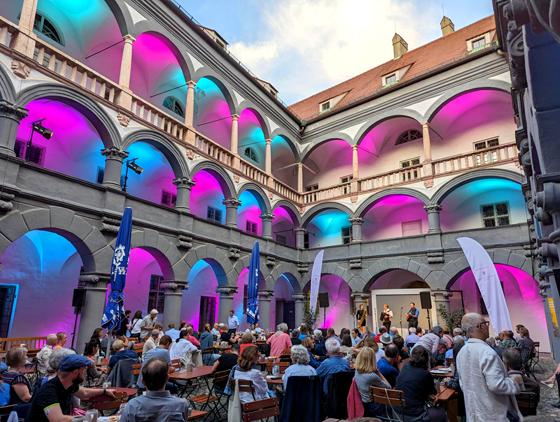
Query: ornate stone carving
pixel 234 253
pixel 173 286
pixel 355 263
pixel 114 153
pixel 183 182
pixel 231 202
pixel 302 267
pixel 270 261
pixel 6 204
pixel 20 69
pixel 185 241
pixel 110 224
pixel 226 291
pixel 236 178
pixel 191 155
pixel 123 119
pixel 7 109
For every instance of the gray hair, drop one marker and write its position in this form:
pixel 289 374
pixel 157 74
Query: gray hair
pixel 457 331
pixel 332 345
pixel 412 330
pixel 282 327
pixel 57 356
pixel 470 321
pixel 300 354
pixel 318 334
pixel 458 341
pixel 491 341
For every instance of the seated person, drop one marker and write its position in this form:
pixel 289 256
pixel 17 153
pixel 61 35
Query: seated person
pixel 207 343
pixel 439 356
pixel 245 341
pixel 309 344
pixel 94 377
pixel 151 341
pixel 300 365
pixel 44 353
pixel 120 353
pixel 333 364
pixel 319 348
pixel 157 403
pixel 191 337
pixel 387 365
pixel 412 338
pixel 367 376
pixel 245 370
pixel 226 361
pixel 403 350
pixel 20 388
pixel 514 366
pixel 182 346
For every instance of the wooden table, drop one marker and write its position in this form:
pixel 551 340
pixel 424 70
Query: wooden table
pixel 448 398
pixel 200 372
pixel 130 392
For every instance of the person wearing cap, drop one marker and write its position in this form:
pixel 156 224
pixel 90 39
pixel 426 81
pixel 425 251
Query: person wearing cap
pixel 148 324
pixel 430 341
pixel 53 401
pixel 386 339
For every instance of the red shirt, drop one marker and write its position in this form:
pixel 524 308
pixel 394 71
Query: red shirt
pixel 278 343
pixel 243 346
pixel 193 340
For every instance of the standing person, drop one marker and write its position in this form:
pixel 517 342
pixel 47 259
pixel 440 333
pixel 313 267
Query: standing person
pixel 361 319
pixel 233 323
pixel 386 317
pixel 134 326
pixel 148 324
pixel 430 341
pixel 489 393
pixel 61 338
pixel 280 340
pixel 123 325
pixel 412 315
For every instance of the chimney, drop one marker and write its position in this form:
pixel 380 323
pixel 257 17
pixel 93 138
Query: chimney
pixel 447 26
pixel 399 46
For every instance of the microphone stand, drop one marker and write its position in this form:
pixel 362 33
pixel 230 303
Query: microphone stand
pixel 401 321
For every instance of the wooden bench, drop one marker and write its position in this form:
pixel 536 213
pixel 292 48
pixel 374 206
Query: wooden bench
pixel 197 414
pixel 32 344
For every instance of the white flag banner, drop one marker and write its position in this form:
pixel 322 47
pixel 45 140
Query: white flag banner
pixel 488 283
pixel 315 281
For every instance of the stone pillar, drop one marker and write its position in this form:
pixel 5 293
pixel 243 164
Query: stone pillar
pixel 184 186
pixel 433 218
pixel 92 311
pixel 355 169
pixel 441 297
pixel 299 308
pixel 113 166
pixel 356 229
pixel 125 97
pixel 226 302
pixel 10 116
pixel 426 142
pixel 189 108
pixel 300 177
pixel 361 298
pixel 24 42
pixel 268 157
pixel 234 141
pixel 300 237
pixel 267 226
pixel 173 298
pixel 231 211
pixel 265 300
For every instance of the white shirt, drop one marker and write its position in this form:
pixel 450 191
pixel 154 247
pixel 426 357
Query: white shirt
pixel 43 359
pixel 259 384
pixel 147 325
pixel 181 348
pixel 488 391
pixel 233 322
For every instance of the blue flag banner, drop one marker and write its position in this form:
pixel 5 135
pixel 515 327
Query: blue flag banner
pixel 114 309
pixel 253 287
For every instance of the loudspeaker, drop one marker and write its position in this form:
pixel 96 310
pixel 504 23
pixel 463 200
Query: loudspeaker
pixel 323 300
pixel 425 300
pixel 79 298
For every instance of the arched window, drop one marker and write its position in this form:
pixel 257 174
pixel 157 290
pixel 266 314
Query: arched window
pixel 44 26
pixel 173 104
pixel 251 154
pixel 408 136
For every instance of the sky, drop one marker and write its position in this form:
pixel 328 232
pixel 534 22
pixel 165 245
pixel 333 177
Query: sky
pixel 305 46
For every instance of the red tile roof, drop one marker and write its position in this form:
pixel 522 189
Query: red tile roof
pixel 440 52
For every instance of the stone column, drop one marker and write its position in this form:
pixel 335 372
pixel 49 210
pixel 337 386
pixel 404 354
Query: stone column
pixel 300 237
pixel 113 166
pixel 234 140
pixel 189 108
pixel 184 186
pixel 299 308
pixel 356 229
pixel 10 116
pixel 226 302
pixel 24 43
pixel 173 298
pixel 231 211
pixel 267 225
pixel 355 169
pixel 426 142
pixel 265 300
pixel 433 218
pixel 300 177
pixel 268 157
pixel 441 297
pixel 125 97
pixel 92 311
pixel 361 298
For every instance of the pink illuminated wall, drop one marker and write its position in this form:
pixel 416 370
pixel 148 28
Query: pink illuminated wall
pixel 75 148
pixel 250 210
pixel 522 296
pixel 212 114
pixel 397 279
pixel 251 135
pixel 395 216
pixel 283 224
pixel 207 192
pixel 283 292
pixel 339 313
pixel 284 165
pixel 327 163
pixel 238 298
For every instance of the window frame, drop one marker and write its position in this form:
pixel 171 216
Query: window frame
pixel 388 79
pixel 251 227
pixel 478 39
pixel 251 154
pixel 217 218
pixel 176 106
pixel 495 216
pixel 39 24
pixel 405 138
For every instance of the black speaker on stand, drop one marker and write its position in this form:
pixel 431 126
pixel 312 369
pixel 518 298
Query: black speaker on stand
pixel 426 303
pixel 324 303
pixel 78 302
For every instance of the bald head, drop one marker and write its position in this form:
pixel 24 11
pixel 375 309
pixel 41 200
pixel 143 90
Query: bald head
pixel 51 340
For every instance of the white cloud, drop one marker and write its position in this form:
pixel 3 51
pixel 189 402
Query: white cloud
pixel 305 46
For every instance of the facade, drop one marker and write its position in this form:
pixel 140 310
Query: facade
pixel 383 171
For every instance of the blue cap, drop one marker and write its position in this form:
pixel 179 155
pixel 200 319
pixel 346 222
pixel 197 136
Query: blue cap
pixel 72 362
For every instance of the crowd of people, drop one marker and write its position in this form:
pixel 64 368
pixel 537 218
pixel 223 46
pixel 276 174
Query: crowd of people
pixel 487 372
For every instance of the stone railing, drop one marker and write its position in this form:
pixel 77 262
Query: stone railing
pixel 391 178
pixel 214 150
pixel 331 192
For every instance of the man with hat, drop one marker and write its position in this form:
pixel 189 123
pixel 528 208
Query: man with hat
pixel 148 324
pixel 53 401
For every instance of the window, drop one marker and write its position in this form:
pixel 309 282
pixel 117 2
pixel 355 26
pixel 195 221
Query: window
pixel 250 154
pixel 485 156
pixel 173 104
pixel 346 233
pixel 410 163
pixel 390 79
pixel 495 215
pixel 488 143
pixel 281 239
pixel 326 106
pixel 44 26
pixel 251 227
pixel 168 199
pixel 411 228
pixel 408 136
pixel 156 297
pixel 34 153
pixel 214 214
pixel 8 294
pixel 100 174
pixel 306 240
pixel 478 43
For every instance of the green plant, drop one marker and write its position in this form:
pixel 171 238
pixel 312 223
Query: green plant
pixel 308 318
pixel 452 319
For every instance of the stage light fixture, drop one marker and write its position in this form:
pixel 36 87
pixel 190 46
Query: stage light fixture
pixel 38 127
pixel 131 164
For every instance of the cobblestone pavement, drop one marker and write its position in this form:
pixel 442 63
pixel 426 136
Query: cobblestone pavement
pixel 546 412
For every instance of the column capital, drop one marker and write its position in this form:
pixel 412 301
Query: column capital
pixel 184 182
pixel 426 125
pixel 191 84
pixel 91 280
pixel 268 141
pixel 8 109
pixel 231 202
pixel 300 230
pixel 356 220
pixel 226 291
pixel 298 297
pixel 114 153
pixel 441 295
pixel 265 294
pixel 235 117
pixel 355 147
pixel 267 217
pixel 433 208
pixel 173 286
pixel 129 39
pixel 360 297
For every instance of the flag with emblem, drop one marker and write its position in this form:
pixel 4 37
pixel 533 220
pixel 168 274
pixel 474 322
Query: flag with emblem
pixel 253 286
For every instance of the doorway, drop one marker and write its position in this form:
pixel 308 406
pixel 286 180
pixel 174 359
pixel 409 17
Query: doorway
pixel 207 312
pixel 8 297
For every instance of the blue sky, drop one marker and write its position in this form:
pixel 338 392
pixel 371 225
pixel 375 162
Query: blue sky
pixel 305 46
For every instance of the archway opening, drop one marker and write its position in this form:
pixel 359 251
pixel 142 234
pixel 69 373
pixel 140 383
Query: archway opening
pixel 212 114
pixel 239 304
pixel 201 302
pixel 250 211
pixel 36 285
pixel 329 227
pixel 207 196
pixel 338 314
pixel 283 226
pixel 73 148
pixel 394 216
pixel 155 183
pixel 251 138
pixel 284 159
pixel 487 202
pixel 284 309
pixel 328 164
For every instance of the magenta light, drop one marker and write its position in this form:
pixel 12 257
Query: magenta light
pixel 206 192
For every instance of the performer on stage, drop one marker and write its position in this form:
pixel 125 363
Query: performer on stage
pixel 412 316
pixel 361 317
pixel 386 317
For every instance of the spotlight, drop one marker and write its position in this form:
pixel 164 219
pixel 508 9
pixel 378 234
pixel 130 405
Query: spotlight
pixel 42 130
pixel 131 164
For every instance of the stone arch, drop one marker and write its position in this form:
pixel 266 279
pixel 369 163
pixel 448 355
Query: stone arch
pixel 7 90
pixel 86 238
pixel 262 197
pixel 225 181
pixel 284 268
pixel 324 139
pixel 218 255
pixel 371 200
pixel 205 72
pixel 309 214
pixel 163 144
pixel 450 94
pixel 291 207
pixel 246 104
pixel 281 132
pixel 89 108
pixel 122 15
pixel 454 183
pixel 385 265
pixel 374 121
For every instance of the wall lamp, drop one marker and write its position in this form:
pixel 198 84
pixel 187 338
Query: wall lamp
pixel 131 164
pixel 37 126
